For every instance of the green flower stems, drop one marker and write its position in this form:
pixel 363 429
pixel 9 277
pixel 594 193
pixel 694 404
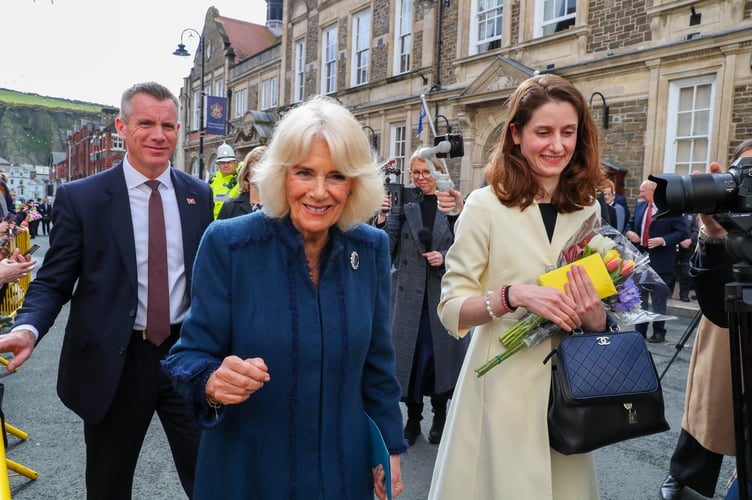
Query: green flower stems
pixel 498 359
pixel 512 340
pixel 527 324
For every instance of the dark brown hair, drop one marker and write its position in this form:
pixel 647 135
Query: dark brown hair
pixel 508 172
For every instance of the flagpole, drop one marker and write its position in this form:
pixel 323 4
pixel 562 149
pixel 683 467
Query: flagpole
pixel 428 113
pixel 433 129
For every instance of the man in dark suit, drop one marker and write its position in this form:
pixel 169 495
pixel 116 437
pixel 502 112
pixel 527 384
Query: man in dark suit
pixel 99 259
pixel 45 208
pixel 659 238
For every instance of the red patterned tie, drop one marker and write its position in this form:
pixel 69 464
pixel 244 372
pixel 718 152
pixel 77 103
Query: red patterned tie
pixel 158 299
pixel 646 228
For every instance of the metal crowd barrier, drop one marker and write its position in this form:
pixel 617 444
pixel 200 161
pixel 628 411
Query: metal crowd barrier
pixel 15 292
pixel 9 306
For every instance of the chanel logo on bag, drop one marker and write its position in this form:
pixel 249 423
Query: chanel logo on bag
pixel 603 340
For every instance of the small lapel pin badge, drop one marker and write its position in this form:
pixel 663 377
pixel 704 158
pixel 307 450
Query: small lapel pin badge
pixel 354 260
pixel 190 201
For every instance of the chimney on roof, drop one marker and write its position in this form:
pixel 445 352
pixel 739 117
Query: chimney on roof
pixel 274 16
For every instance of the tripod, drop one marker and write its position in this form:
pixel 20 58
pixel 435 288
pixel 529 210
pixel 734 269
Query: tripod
pixel 691 327
pixel 739 309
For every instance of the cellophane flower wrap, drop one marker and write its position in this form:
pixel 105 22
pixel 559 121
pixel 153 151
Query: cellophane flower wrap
pixel 628 268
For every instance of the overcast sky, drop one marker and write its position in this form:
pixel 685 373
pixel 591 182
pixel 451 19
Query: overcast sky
pixel 92 50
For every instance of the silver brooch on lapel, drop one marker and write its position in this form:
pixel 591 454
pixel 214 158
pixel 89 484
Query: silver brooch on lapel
pixel 354 260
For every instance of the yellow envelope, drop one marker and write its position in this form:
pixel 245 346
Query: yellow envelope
pixel 594 267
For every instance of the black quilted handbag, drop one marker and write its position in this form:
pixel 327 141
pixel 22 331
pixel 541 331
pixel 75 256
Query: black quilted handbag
pixel 604 389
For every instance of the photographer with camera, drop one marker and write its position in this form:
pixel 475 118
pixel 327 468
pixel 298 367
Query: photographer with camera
pixel 420 233
pixel 657 237
pixel 705 435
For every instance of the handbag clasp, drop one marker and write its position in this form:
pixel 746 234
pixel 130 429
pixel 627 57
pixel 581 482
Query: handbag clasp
pixel 631 413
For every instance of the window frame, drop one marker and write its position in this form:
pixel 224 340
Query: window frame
pixel 269 93
pixel 541 23
pixel 329 48
pixel 298 92
pixel 673 140
pixel 361 47
pixel 398 145
pixel 403 37
pixel 240 105
pixel 492 42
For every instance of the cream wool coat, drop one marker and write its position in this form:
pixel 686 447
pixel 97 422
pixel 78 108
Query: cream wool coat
pixel 495 444
pixel 708 403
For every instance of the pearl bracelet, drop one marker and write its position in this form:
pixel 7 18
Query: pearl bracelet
pixel 488 306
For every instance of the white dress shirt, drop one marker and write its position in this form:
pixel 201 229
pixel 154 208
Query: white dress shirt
pixel 138 195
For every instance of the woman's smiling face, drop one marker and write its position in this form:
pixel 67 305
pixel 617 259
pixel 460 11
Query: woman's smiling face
pixel 316 192
pixel 548 140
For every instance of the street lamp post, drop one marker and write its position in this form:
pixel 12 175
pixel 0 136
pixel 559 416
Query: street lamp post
pixel 180 51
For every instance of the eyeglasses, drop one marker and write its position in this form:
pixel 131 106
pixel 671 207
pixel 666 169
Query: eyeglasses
pixel 417 174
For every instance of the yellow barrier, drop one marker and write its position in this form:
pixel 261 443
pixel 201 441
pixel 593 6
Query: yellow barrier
pixel 10 304
pixel 15 292
pixel 7 464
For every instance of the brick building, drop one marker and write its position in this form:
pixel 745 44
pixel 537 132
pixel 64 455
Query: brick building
pixel 91 148
pixel 674 75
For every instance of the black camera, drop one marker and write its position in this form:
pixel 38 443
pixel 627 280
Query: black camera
pixel 458 146
pixel 705 193
pixel 399 194
pixel 728 196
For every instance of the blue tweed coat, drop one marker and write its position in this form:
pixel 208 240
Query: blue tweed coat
pixel 329 354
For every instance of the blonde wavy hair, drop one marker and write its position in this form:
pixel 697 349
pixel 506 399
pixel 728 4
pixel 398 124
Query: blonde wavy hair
pixel 321 118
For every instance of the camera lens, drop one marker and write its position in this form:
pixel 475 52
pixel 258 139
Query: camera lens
pixel 701 193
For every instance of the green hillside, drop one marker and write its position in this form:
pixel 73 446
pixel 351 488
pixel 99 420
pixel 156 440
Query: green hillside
pixel 34 126
pixel 15 98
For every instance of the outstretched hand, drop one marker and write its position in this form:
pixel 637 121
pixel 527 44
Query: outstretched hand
pixel 15 267
pixel 21 344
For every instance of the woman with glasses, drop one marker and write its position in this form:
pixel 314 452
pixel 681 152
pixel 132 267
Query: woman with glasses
pixel 428 358
pixel 248 199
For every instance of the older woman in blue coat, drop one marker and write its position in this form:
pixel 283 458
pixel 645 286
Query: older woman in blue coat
pixel 287 345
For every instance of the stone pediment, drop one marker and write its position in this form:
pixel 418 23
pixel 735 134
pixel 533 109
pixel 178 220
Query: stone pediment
pixel 503 74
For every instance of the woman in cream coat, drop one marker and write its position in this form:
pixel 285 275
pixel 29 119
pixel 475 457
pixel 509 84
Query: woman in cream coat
pixel 541 189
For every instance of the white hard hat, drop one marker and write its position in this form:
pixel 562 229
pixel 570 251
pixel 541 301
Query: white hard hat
pixel 225 153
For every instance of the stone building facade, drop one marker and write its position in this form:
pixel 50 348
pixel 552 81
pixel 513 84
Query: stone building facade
pixel 674 75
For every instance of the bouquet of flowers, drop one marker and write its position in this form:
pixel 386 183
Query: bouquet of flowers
pixel 628 270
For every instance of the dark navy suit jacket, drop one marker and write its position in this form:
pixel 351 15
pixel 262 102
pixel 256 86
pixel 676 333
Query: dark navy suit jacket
pixel 92 263
pixel 671 229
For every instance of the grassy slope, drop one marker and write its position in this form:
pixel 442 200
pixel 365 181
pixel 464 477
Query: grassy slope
pixel 15 98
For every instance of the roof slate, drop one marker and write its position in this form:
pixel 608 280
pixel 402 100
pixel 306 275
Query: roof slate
pixel 247 39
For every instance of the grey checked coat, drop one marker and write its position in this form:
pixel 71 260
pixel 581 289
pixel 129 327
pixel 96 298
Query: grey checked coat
pixel 409 285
